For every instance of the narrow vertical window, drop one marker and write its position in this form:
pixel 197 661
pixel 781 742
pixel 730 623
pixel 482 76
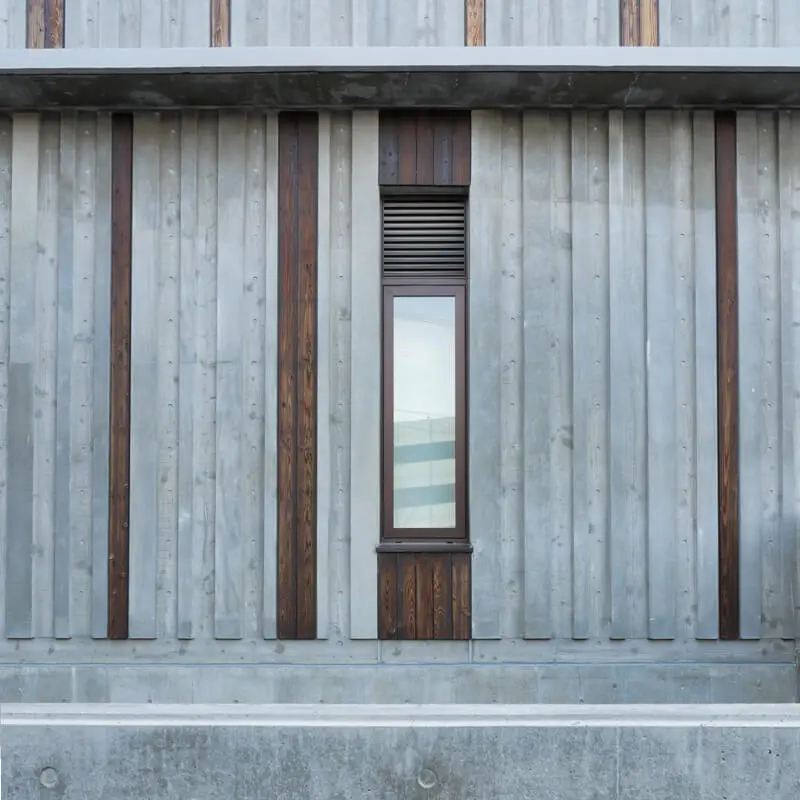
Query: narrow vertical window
pixel 424 368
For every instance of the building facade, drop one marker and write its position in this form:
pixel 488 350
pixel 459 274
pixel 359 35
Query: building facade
pixel 350 399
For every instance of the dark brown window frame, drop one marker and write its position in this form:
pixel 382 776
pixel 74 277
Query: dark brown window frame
pixel 425 284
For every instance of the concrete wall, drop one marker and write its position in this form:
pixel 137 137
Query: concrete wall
pixel 354 752
pixel 552 22
pixel 347 22
pixel 720 23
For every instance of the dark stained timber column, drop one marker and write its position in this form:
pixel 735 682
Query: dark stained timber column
pixel 475 23
pixel 728 375
pixel 45 23
pixel 120 388
pixel 220 23
pixel 298 142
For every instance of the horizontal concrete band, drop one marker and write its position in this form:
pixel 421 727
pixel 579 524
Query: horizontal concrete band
pixel 367 715
pixel 399 77
pixel 206 61
pixel 462 761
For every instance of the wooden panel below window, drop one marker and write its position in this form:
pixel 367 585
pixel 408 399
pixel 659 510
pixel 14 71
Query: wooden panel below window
pixel 425 148
pixel 424 596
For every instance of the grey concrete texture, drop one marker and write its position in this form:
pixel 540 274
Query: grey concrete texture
pixel 386 683
pixel 424 753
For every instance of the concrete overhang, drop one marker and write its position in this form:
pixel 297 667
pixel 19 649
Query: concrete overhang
pixel 400 77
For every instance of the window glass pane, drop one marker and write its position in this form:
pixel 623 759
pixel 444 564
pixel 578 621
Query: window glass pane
pixel 424 412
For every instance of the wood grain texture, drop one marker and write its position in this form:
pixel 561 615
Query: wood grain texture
pixel 45 23
pixel 297 374
pixel 424 148
pixel 220 23
pixel 475 23
pixel 638 23
pixel 120 374
pixel 424 596
pixel 648 23
pixel 728 377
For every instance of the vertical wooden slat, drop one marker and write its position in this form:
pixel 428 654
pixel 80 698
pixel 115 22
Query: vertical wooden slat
pixel 120 375
pixel 425 149
pixel 462 150
pixel 629 23
pixel 424 597
pixel 461 582
pixel 54 23
pixel 45 24
pixel 648 23
pixel 638 23
pixel 388 169
pixel 442 597
pixel 388 627
pixel 287 378
pixel 220 23
pixel 475 23
pixel 407 150
pixel 35 37
pixel 728 380
pixel 297 353
pixel 407 584
pixel 306 491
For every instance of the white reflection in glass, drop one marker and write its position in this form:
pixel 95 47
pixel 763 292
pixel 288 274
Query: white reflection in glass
pixel 424 412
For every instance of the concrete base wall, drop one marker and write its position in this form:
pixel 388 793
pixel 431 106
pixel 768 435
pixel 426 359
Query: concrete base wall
pixel 458 752
pixel 400 683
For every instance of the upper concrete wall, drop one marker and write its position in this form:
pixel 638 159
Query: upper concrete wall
pixel 717 23
pixel 347 22
pixel 187 23
pixel 552 22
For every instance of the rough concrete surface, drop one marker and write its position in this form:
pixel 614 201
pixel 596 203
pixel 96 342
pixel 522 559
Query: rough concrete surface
pixel 570 752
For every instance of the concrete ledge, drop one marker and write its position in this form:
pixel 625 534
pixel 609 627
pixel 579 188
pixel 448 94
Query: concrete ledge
pixel 399 683
pixel 624 753
pixel 381 715
pixel 374 77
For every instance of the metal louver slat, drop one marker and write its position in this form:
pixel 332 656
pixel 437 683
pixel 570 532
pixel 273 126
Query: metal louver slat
pixel 424 235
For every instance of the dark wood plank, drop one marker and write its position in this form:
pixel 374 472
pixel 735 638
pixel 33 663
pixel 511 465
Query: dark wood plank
pixel 442 596
pixel 288 158
pixel 475 33
pixel 648 23
pixel 727 375
pixel 306 490
pixel 425 148
pixel 443 150
pixel 407 607
pixel 424 596
pixel 461 597
pixel 388 627
pixel 120 375
pixel 462 149
pixel 220 23
pixel 34 18
pixel 54 24
pixel 407 150
pixel 388 173
pixel 629 23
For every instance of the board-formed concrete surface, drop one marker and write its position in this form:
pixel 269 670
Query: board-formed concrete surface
pixel 460 752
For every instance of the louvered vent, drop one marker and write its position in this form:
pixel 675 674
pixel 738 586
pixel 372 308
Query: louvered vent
pixel 424 236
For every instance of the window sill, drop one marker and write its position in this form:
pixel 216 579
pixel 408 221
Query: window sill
pixel 423 546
